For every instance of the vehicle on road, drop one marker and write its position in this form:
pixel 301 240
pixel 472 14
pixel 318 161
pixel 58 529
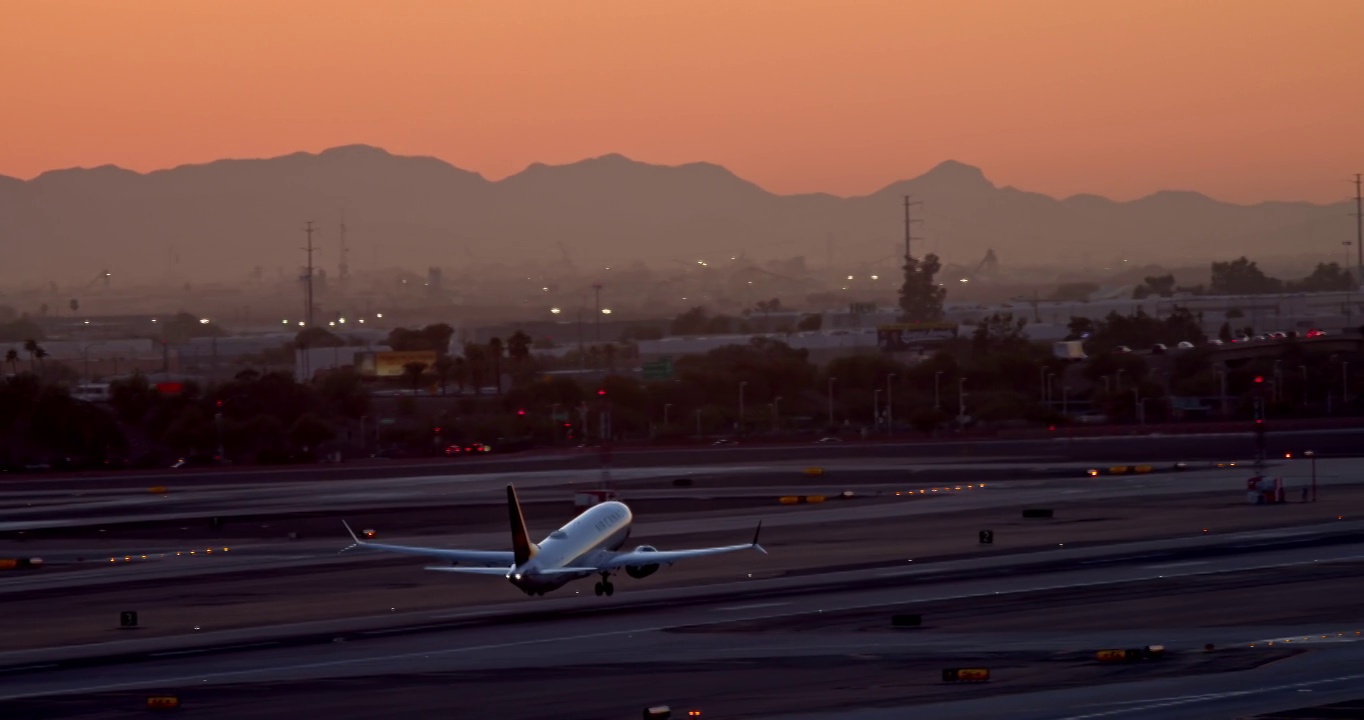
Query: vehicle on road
pixel 588 545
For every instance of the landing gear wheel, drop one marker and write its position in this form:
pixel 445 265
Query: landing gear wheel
pixel 599 589
pixel 610 588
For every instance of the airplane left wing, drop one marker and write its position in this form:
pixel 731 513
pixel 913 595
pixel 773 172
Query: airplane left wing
pixel 485 558
pixel 636 558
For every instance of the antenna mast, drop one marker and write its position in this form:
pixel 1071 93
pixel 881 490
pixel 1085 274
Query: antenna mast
pixel 908 222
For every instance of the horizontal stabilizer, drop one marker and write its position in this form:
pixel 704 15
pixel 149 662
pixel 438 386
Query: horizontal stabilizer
pixel 472 570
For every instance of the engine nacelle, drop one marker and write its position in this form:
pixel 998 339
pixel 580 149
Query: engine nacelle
pixel 642 571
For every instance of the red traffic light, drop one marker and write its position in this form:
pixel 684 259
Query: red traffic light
pixel 520 412
pixel 1259 378
pixel 601 391
pixel 437 431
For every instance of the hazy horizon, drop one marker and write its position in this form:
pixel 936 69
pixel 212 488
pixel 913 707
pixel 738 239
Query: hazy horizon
pixel 1244 102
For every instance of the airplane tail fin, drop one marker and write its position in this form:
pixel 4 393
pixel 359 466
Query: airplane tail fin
pixel 522 548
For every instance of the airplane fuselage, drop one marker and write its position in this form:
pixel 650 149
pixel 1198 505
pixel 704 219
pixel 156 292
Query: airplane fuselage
pixel 602 528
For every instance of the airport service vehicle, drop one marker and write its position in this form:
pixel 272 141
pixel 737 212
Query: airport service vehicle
pixel 588 545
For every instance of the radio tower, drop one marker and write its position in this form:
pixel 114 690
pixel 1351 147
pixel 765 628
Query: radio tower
pixel 308 276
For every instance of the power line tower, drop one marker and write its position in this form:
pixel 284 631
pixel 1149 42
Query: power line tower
pixel 1359 231
pixel 908 224
pixel 344 265
pixel 308 277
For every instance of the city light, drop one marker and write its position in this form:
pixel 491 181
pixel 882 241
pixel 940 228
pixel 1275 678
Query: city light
pixel 875 277
pixel 556 311
pixel 285 321
pixel 606 311
pixel 378 315
pixel 341 320
pixel 203 321
pixel 850 277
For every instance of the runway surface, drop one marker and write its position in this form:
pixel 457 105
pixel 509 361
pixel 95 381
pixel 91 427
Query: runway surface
pixel 825 652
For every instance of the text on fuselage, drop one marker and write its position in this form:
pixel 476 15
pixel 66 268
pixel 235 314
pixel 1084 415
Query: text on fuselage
pixel 609 520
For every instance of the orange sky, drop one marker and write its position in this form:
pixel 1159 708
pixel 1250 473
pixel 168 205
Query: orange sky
pixel 1242 99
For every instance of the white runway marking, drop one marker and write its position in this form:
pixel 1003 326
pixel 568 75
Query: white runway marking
pixel 736 608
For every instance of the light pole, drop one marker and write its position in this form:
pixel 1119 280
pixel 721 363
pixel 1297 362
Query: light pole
pixel 666 407
pixel 876 409
pixel 1344 383
pixel 776 414
pixel 832 380
pixel 698 423
pixel 1042 383
pixel 937 397
pixel 1304 383
pixel 1137 406
pixel 890 405
pixel 742 384
pixel 1313 456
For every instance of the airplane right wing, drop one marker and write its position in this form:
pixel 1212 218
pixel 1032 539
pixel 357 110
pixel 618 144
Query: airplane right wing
pixel 668 557
pixel 485 558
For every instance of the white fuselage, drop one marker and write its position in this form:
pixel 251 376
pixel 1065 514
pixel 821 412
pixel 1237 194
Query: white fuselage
pixel 601 528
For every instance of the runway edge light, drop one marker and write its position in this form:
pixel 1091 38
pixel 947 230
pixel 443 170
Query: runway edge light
pixel 163 702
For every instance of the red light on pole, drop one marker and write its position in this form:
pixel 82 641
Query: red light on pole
pixel 601 391
pixel 520 412
pixel 1259 378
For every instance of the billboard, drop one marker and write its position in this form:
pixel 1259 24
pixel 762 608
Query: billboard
pixel 910 336
pixel 390 364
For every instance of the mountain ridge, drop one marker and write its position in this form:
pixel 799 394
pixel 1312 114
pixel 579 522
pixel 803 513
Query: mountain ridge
pixel 228 215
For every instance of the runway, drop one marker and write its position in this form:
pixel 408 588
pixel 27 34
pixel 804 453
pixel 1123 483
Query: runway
pixel 619 660
pixel 283 628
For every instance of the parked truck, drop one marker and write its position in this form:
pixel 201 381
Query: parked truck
pixel 1069 350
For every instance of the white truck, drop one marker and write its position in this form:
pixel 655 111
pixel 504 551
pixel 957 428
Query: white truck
pixel 1069 350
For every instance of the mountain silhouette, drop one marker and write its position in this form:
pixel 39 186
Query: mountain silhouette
pixel 223 218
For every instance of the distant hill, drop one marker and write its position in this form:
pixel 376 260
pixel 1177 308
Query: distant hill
pixel 224 218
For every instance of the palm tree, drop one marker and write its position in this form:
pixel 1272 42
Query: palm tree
pixel 12 357
pixel 476 360
pixel 460 373
pixel 444 364
pixel 518 349
pixel 496 349
pixel 414 370
pixel 32 348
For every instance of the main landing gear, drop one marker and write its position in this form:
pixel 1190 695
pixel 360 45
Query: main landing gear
pixel 604 587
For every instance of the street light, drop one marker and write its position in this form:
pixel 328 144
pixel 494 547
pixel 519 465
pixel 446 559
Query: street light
pixel 776 414
pixel 666 407
pixel 876 408
pixel 937 398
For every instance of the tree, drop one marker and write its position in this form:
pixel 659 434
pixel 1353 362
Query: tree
pixel 432 337
pixel 921 299
pixel 413 371
pixel 444 365
pixel 496 350
pixel 1327 277
pixel 1159 286
pixel 35 351
pixel 309 431
pixel 810 323
pixel 1241 277
pixel 1000 333
pixel 12 357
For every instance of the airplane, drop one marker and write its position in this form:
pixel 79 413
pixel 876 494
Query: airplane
pixel 587 545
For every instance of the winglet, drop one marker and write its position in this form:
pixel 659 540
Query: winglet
pixel 353 536
pixel 756 546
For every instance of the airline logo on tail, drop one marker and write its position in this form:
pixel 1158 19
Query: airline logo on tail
pixel 522 548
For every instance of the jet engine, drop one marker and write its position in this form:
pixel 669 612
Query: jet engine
pixel 642 571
